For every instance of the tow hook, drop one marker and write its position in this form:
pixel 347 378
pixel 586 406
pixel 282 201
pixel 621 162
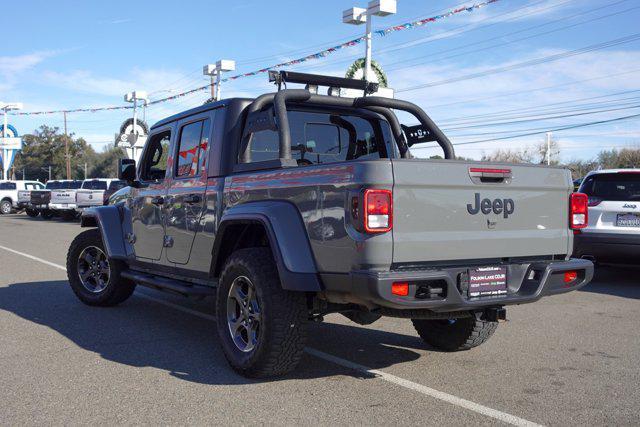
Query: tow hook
pixel 495 314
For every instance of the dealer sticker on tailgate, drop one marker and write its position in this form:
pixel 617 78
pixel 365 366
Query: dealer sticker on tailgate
pixel 487 281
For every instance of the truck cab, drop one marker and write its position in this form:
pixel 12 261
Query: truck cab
pixel 294 205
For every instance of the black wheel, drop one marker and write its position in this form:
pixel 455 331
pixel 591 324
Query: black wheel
pixel 32 212
pixel 261 327
pixel 6 207
pixel 94 278
pixel 46 214
pixel 454 334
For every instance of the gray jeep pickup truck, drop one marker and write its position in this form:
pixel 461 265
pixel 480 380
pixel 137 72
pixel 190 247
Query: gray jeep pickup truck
pixel 295 205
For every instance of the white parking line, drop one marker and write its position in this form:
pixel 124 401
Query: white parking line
pixel 422 389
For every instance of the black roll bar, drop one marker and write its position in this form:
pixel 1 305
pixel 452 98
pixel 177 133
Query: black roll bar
pixel 376 104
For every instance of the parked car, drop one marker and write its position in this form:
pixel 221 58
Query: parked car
pixel 293 205
pixel 91 194
pixel 613 233
pixel 9 194
pixel 63 200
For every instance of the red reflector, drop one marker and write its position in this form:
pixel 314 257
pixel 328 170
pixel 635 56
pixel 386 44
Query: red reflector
pixel 489 170
pixel 578 210
pixel 570 276
pixel 400 289
pixel 378 216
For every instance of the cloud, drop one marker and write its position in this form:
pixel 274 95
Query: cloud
pixel 84 81
pixel 11 67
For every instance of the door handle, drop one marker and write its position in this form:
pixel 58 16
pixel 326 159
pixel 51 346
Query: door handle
pixel 157 200
pixel 192 199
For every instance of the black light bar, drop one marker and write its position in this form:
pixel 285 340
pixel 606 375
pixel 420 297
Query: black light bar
pixel 280 77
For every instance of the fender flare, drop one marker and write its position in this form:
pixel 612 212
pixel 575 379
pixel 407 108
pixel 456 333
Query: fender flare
pixel 287 236
pixel 109 220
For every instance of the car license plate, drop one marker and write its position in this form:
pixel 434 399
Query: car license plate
pixel 628 220
pixel 487 281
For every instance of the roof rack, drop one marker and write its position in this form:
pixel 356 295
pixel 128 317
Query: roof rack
pixel 280 77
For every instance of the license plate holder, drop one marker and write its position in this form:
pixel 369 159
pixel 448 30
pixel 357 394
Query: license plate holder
pixel 485 281
pixel 627 220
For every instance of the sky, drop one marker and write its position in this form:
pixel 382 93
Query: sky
pixel 511 68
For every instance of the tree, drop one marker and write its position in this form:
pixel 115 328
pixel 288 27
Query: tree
pixel 541 152
pixel 46 147
pixel 619 159
pixel 523 155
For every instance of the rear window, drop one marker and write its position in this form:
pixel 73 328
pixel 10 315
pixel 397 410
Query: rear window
pixel 8 186
pixel 621 187
pixel 94 185
pixel 319 137
pixel 117 185
pixel 69 185
pixel 53 185
pixel 33 186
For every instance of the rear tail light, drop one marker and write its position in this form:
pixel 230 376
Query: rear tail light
pixel 578 215
pixel 378 211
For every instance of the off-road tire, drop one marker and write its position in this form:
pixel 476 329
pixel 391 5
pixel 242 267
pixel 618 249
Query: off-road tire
pixel 46 214
pixel 282 334
pixel 454 334
pixel 6 207
pixel 117 290
pixel 32 213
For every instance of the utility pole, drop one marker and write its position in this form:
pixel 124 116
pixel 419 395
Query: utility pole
pixel 66 147
pixel 85 170
pixel 548 148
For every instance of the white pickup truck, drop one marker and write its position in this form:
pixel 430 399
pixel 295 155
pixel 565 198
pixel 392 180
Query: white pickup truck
pixel 91 194
pixel 63 200
pixel 10 192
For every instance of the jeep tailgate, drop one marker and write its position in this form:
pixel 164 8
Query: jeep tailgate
pixel 86 198
pixel 446 210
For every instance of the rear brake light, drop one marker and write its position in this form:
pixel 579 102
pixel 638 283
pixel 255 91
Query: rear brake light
pixel 378 211
pixel 570 276
pixel 490 170
pixel 400 289
pixel 578 215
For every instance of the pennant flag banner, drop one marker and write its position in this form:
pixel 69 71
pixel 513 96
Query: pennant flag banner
pixel 318 55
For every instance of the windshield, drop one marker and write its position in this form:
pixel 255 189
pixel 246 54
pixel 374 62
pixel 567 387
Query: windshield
pixel 69 185
pixel 117 185
pixel 621 187
pixel 53 185
pixel 94 185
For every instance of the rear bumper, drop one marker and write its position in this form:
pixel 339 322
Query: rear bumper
pixel 374 288
pixel 63 206
pixel 612 247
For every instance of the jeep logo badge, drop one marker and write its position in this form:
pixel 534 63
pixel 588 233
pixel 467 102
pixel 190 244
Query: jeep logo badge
pixel 486 206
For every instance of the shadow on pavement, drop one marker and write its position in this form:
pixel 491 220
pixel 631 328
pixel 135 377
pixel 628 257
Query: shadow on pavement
pixel 142 333
pixel 621 281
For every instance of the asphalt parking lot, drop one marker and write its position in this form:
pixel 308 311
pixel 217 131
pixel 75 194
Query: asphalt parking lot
pixel 570 359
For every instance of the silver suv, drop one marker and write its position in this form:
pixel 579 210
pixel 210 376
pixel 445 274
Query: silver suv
pixel 613 233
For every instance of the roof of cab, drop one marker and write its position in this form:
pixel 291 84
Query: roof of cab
pixel 196 110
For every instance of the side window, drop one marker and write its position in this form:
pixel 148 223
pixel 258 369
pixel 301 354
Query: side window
pixel 154 163
pixel 7 186
pixel 192 147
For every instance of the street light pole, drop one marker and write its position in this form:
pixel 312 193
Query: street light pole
pixel 357 16
pixel 216 70
pixel 66 147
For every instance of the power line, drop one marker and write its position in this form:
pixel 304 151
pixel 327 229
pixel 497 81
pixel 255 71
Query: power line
pixel 537 61
pixel 558 129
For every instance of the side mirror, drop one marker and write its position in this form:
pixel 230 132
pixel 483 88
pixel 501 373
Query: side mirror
pixel 127 170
